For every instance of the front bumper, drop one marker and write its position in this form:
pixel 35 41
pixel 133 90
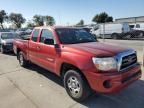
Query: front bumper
pixel 8 48
pixel 112 82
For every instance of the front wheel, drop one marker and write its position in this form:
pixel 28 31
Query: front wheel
pixel 22 61
pixel 76 86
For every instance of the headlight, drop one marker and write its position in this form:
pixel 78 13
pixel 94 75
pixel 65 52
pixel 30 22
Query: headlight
pixel 105 64
pixel 3 42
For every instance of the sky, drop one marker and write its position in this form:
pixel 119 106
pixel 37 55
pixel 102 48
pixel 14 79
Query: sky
pixel 72 11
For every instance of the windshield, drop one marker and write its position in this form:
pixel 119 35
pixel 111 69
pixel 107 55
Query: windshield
pixel 9 35
pixel 131 26
pixel 73 36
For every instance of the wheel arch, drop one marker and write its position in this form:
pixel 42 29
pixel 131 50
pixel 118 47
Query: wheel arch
pixel 24 53
pixel 66 66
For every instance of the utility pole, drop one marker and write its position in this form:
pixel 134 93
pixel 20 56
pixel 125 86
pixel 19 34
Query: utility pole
pixel 104 32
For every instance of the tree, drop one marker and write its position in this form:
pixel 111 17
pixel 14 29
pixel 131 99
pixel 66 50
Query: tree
pixel 17 19
pixel 96 18
pixel 49 20
pixel 109 19
pixel 81 23
pixel 30 24
pixel 102 18
pixel 38 20
pixel 3 17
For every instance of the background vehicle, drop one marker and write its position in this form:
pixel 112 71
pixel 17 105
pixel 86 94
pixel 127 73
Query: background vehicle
pixel 29 31
pixel 88 29
pixel 83 63
pixel 111 30
pixel 24 31
pixel 21 31
pixel 137 26
pixel 143 57
pixel 137 30
pixel 6 41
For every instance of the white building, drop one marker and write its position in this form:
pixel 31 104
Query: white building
pixel 139 19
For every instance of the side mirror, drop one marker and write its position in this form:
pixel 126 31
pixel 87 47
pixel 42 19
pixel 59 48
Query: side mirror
pixel 57 46
pixel 49 41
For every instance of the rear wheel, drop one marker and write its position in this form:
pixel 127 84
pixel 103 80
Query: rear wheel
pixel 76 86
pixel 115 36
pixel 22 61
pixel 128 36
pixel 141 34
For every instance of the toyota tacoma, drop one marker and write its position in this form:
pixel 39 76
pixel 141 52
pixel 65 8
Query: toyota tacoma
pixel 84 64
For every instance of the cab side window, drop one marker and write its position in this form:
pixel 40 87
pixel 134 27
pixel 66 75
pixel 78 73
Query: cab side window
pixel 46 34
pixel 137 26
pixel 35 35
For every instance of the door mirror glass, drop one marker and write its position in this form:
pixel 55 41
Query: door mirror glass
pixel 49 41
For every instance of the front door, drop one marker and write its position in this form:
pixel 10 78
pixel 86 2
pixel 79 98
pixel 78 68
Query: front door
pixel 47 52
pixel 33 46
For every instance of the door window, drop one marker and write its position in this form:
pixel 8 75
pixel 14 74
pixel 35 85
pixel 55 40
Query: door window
pixel 137 26
pixel 46 34
pixel 35 35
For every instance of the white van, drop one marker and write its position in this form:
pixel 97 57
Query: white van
pixel 137 26
pixel 111 30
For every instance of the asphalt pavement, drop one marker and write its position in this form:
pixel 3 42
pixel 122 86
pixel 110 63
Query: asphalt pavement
pixel 35 87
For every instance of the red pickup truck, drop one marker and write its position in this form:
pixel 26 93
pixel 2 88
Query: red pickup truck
pixel 84 64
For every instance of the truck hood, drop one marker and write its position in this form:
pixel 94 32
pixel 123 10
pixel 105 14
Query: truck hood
pixel 8 41
pixel 98 49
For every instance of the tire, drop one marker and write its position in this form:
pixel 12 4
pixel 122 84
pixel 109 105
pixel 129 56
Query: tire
pixel 2 50
pixel 128 36
pixel 115 36
pixel 76 86
pixel 22 61
pixel 141 35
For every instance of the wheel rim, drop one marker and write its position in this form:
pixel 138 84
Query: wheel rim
pixel 21 59
pixel 74 86
pixel 128 36
pixel 114 36
pixel 141 34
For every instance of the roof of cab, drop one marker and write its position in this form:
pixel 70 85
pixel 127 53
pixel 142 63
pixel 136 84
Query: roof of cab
pixel 55 27
pixel 6 32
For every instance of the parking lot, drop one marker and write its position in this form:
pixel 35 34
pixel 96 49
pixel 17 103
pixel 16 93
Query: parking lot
pixel 35 87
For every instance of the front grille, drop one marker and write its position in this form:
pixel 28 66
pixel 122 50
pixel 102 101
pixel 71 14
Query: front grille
pixel 128 61
pixel 10 44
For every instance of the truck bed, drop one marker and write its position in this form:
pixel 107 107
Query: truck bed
pixel 20 44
